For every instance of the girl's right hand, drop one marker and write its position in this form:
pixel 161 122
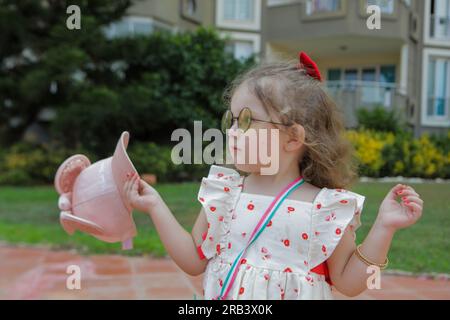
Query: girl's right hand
pixel 139 194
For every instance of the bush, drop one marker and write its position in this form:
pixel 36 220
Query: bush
pixel 26 164
pixel 153 84
pixel 384 154
pixel 378 119
pixel 150 158
pixel 380 154
pixel 154 159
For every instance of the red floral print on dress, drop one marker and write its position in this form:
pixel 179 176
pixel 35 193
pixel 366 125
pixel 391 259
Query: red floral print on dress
pixel 265 253
pixel 331 217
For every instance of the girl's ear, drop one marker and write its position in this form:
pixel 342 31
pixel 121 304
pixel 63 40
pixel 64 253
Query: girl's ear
pixel 295 139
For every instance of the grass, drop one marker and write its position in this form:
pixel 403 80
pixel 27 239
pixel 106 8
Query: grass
pixel 30 215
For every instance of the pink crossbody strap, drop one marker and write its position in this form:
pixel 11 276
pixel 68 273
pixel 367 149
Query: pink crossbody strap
pixel 265 219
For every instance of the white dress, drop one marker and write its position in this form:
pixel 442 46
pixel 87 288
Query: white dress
pixel 280 263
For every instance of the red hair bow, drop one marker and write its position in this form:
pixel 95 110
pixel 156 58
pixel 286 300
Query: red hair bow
pixel 310 66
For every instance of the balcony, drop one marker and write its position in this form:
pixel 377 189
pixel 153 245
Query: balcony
pixel 330 25
pixel 353 95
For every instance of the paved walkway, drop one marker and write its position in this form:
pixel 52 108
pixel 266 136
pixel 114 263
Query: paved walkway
pixel 32 273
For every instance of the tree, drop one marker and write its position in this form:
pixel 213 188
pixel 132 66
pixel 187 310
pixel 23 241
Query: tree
pixel 40 58
pixel 159 83
pixel 149 85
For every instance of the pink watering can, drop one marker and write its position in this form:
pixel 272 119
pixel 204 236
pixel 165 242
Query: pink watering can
pixel 91 196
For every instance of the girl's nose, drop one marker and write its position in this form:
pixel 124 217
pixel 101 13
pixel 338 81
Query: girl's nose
pixel 234 130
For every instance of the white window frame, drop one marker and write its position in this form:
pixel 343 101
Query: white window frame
pixel 242 36
pixel 435 121
pixel 254 25
pixel 428 40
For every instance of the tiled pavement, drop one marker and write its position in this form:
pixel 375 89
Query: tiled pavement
pixel 33 273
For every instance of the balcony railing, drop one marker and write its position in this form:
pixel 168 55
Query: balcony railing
pixel 353 95
pixel 440 27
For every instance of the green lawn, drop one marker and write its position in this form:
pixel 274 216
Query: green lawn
pixel 30 215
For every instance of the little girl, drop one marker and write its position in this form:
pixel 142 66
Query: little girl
pixel 290 235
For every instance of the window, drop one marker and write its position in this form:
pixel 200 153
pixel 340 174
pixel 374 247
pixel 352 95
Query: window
pixel 239 14
pixel 438 87
pixel 369 74
pixel 240 10
pixel 241 44
pixel 240 49
pixel 387 74
pixel 371 85
pixel 191 7
pixel 334 74
pixel 440 19
pixel 323 6
pixel 191 10
pixel 386 6
pixel 350 78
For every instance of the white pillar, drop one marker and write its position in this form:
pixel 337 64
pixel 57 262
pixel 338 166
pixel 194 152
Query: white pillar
pixel 404 57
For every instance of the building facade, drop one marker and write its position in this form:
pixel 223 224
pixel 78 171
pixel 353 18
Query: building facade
pixel 402 66
pixel 239 21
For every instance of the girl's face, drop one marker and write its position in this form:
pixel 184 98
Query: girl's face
pixel 256 148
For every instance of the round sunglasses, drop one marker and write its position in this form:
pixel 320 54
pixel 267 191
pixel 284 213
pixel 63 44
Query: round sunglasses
pixel 244 120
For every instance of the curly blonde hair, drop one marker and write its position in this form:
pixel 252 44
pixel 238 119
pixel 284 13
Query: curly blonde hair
pixel 288 93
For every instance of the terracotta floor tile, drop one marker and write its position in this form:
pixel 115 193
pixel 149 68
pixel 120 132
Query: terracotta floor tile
pixel 38 273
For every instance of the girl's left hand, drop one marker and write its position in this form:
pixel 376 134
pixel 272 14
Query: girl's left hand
pixel 394 215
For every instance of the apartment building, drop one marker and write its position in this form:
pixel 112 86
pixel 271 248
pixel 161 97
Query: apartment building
pixel 432 90
pixel 403 66
pixel 239 21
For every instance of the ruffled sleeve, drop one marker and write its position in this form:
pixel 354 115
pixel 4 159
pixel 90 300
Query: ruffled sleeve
pixel 334 211
pixel 218 195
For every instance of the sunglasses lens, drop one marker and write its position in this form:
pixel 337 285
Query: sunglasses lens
pixel 227 121
pixel 245 119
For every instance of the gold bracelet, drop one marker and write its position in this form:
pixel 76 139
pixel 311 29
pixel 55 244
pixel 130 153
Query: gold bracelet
pixel 382 266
